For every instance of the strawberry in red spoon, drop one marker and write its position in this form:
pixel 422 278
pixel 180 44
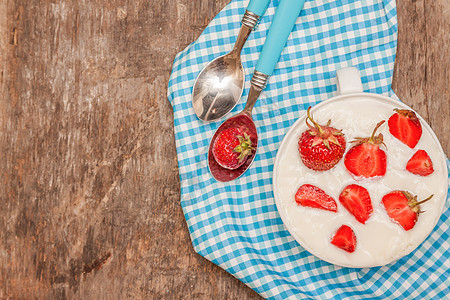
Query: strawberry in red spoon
pixel 345 239
pixel 356 200
pixel 405 126
pixel 420 164
pixel 312 196
pixel 232 147
pixel 366 159
pixel 403 208
pixel 321 146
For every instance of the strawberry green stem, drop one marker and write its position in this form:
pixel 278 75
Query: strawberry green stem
pixel 372 138
pixel 245 146
pixel 425 200
pixel 308 112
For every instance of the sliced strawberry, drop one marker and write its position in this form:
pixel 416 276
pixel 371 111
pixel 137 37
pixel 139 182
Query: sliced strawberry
pixel 311 196
pixel 403 208
pixel 232 147
pixel 405 126
pixel 345 239
pixel 366 159
pixel 420 164
pixel 321 147
pixel 356 200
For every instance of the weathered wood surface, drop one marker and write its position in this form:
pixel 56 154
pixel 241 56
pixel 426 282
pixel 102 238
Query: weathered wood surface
pixel 89 193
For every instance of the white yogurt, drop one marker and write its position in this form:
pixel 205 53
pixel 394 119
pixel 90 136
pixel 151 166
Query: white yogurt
pixel 379 241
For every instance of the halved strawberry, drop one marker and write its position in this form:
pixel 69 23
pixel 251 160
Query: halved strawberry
pixel 312 196
pixel 345 239
pixel 321 146
pixel 403 208
pixel 405 126
pixel 356 200
pixel 232 147
pixel 420 164
pixel 366 159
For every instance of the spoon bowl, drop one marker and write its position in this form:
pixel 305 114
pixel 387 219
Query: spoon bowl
pixel 218 87
pixel 242 120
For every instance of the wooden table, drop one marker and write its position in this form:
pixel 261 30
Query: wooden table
pixel 90 191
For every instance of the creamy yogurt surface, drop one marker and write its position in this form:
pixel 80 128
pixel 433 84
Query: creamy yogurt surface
pixel 381 240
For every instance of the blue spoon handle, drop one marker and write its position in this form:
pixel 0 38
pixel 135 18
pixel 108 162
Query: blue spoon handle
pixel 258 7
pixel 283 22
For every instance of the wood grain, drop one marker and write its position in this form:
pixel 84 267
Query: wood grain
pixel 89 193
pixel 421 73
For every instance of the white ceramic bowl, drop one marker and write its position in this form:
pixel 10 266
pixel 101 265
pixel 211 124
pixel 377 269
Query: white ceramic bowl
pixel 380 241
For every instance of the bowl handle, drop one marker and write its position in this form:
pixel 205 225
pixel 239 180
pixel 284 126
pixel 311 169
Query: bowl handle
pixel 348 81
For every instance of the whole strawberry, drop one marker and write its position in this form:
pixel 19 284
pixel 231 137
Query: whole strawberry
pixel 321 146
pixel 366 159
pixel 403 208
pixel 231 148
pixel 405 126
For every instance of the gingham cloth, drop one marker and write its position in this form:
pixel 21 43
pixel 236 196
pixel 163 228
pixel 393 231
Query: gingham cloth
pixel 236 224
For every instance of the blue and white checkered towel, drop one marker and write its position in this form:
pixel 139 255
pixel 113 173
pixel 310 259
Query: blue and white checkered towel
pixel 236 224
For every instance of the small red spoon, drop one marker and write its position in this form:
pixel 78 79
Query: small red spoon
pixel 245 121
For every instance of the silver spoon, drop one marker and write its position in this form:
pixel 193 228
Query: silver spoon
pixel 219 85
pixel 283 22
